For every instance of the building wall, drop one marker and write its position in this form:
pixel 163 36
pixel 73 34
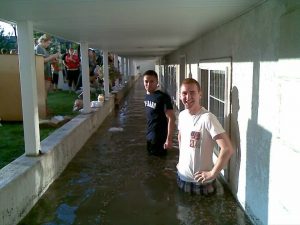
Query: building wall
pixel 264 45
pixel 144 65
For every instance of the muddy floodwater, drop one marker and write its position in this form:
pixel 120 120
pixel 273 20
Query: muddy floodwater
pixel 112 181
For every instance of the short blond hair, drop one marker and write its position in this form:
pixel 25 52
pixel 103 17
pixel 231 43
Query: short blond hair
pixel 191 81
pixel 44 38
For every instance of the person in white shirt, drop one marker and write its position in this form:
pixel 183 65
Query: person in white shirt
pixel 198 131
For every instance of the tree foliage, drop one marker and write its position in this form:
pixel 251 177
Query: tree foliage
pixel 7 42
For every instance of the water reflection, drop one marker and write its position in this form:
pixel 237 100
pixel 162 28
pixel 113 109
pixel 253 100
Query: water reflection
pixel 112 181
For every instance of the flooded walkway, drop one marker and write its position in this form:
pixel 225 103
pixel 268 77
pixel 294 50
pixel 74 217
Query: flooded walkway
pixel 112 181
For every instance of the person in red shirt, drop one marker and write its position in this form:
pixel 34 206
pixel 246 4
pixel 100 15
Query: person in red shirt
pixel 72 64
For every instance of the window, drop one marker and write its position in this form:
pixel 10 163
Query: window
pixel 216 102
pixel 214 78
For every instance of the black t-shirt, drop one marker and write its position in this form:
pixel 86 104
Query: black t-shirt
pixel 156 105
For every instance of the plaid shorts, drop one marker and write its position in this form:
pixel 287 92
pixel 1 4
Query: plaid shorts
pixel 195 188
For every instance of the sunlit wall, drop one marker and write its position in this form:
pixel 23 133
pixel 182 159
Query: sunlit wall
pixel 264 48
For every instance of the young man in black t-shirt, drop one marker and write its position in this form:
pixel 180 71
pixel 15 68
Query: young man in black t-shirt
pixel 160 116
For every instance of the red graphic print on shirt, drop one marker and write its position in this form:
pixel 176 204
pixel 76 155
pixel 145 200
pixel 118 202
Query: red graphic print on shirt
pixel 195 137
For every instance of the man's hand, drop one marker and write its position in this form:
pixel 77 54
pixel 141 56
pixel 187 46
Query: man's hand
pixel 204 176
pixel 168 144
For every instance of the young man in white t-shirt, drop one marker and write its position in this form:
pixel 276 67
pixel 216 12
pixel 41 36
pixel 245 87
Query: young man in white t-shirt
pixel 198 131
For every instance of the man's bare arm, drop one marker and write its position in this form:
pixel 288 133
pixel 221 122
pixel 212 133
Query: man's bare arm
pixel 171 125
pixel 226 150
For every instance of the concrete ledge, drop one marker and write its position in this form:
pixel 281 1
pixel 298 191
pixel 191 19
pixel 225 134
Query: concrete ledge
pixel 24 181
pixel 119 95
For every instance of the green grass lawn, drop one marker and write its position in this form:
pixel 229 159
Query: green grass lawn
pixel 61 103
pixel 11 133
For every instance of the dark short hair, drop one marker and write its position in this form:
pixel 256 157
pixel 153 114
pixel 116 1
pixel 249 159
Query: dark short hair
pixel 151 73
pixel 191 81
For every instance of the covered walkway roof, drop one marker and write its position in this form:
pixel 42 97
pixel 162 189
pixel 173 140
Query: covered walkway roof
pixel 129 28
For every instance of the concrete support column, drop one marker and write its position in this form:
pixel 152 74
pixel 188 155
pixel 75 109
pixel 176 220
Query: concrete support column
pixel 84 48
pixel 122 70
pixel 28 88
pixel 105 73
pixel 131 67
pixel 127 69
pixel 116 64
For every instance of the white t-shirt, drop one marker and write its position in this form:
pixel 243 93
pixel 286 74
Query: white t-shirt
pixel 196 146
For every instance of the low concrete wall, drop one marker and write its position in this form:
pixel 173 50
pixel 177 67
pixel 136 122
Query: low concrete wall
pixel 119 95
pixel 24 181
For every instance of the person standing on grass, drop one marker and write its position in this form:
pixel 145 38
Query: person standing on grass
pixel 160 116
pixel 72 64
pixel 41 49
pixel 198 131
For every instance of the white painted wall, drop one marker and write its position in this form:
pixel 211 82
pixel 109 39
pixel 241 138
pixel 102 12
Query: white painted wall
pixel 144 65
pixel 264 44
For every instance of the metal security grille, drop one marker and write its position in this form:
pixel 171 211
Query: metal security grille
pixel 216 103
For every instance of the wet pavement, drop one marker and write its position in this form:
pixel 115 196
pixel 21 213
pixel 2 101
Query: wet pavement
pixel 112 181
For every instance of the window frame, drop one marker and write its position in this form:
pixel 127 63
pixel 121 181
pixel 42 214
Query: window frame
pixel 226 66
